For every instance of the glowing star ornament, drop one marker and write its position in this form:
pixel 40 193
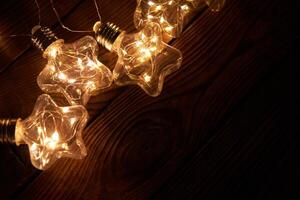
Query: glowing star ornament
pixel 143 58
pixel 170 14
pixel 72 69
pixel 51 132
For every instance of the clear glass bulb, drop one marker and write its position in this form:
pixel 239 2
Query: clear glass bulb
pixel 74 70
pixel 52 132
pixel 170 14
pixel 143 58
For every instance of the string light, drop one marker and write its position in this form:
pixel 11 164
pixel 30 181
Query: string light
pixel 170 14
pixel 72 69
pixel 143 58
pixel 51 132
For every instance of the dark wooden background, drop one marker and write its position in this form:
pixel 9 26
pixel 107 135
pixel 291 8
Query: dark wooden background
pixel 225 126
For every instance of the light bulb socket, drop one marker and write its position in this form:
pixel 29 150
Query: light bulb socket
pixel 42 37
pixel 106 34
pixel 7 131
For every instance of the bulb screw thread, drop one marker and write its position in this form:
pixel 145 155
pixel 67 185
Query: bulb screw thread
pixel 42 37
pixel 106 34
pixel 7 131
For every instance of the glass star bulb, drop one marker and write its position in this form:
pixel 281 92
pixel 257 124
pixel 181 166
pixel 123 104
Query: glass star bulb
pixel 52 132
pixel 143 58
pixel 72 69
pixel 170 14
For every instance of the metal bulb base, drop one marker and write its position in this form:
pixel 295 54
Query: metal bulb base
pixel 106 34
pixel 42 37
pixel 7 131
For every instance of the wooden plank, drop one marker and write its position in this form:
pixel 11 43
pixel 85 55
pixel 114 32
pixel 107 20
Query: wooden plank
pixel 138 142
pixel 254 152
pixel 12 171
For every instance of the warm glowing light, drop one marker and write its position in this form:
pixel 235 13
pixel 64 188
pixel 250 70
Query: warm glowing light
pixel 151 3
pixel 91 85
pixel 61 76
pixel 159 7
pixel 170 13
pixel 91 63
pixel 144 59
pixel 140 59
pixel 65 109
pixel 65 146
pixel 55 136
pixel 51 143
pixel 127 67
pixel 138 43
pixel 52 68
pixel 33 147
pixel 40 130
pixel 73 120
pixel 185 7
pixel 169 28
pixel 79 62
pixel 147 78
pixel 53 52
pixel 171 2
pixel 143 36
pixel 52 132
pixel 150 17
pixel 76 65
pixel 154 48
pixel 71 80
pixel 162 19
pixel 45 162
pixel 146 52
pixel 154 39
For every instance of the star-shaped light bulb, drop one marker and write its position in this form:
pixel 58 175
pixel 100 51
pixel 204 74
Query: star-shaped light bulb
pixel 52 132
pixel 143 58
pixel 170 14
pixel 72 69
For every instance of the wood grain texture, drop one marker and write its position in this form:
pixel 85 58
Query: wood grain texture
pixel 246 157
pixel 219 129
